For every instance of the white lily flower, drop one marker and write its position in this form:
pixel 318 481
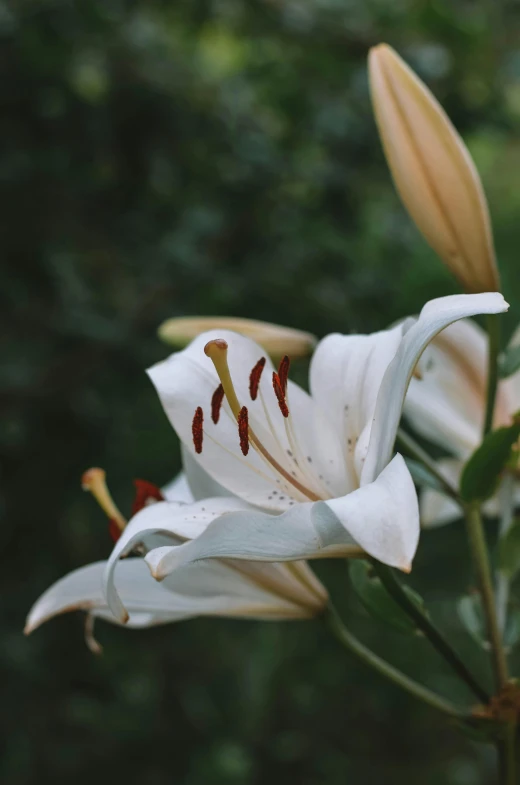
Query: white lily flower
pixel 315 472
pixel 446 404
pixel 213 588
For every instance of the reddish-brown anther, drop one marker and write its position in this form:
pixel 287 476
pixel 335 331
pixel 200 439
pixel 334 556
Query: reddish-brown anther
pixel 280 395
pixel 243 429
pixel 283 372
pixel 216 403
pixel 114 530
pixel 145 493
pixel 197 429
pixel 254 378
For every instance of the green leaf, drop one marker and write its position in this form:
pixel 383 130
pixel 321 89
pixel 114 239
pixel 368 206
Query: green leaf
pixel 481 473
pixel 509 362
pixel 472 617
pixel 376 599
pixel 509 550
pixel 421 475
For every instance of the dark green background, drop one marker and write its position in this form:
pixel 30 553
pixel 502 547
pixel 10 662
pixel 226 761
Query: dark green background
pixel 191 157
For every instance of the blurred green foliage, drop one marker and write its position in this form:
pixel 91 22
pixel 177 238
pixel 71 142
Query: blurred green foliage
pixel 214 157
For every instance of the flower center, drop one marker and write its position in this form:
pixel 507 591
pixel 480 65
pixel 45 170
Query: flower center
pixel 217 350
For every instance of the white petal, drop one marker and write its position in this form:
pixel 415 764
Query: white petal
pixel 509 388
pixel 178 490
pixel 83 590
pixel 382 519
pixel 434 317
pixel 188 380
pixel 206 589
pixel 163 522
pixel 446 404
pixel 345 375
pixel 200 483
pixel 257 536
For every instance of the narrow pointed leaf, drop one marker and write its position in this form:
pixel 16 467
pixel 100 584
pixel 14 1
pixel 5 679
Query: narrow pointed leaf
pixel 376 600
pixel 470 613
pixel 509 362
pixel 481 473
pixel 421 475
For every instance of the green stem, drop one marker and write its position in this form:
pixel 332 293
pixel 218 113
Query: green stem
pixel 493 328
pixel 375 662
pixel 506 497
pixel 438 641
pixel 507 756
pixel 414 450
pixel 480 554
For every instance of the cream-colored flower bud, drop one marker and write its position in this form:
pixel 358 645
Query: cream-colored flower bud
pixel 275 339
pixel 433 171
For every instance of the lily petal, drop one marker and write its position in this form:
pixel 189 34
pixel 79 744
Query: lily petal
pixel 345 375
pixel 200 483
pixel 178 490
pixel 446 403
pixel 382 519
pixel 163 522
pixel 208 589
pixel 434 317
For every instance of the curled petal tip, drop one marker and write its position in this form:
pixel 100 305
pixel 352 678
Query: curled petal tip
pixel 156 569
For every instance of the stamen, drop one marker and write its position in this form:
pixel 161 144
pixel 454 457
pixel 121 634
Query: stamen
pixel 216 403
pixel 145 494
pixel 114 530
pixel 280 396
pixel 283 372
pixel 93 480
pixel 197 429
pixel 243 430
pixel 254 378
pixel 94 646
pixel 216 350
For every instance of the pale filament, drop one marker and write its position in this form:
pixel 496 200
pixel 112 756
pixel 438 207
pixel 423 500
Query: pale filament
pixel 216 350
pixel 94 480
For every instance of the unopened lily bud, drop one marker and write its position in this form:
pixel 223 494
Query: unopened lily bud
pixel 433 171
pixel 275 339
